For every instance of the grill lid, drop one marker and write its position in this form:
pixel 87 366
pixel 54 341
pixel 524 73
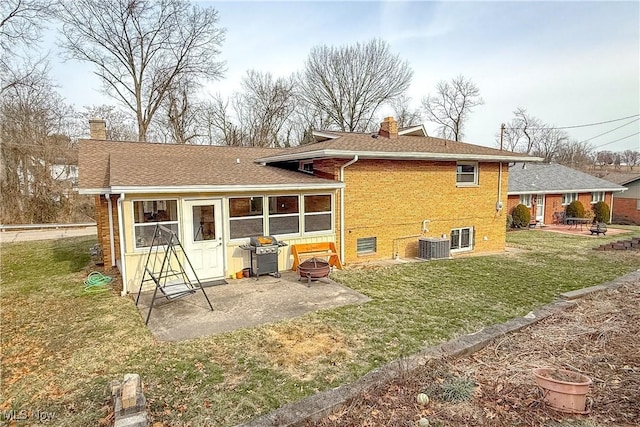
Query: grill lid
pixel 263 241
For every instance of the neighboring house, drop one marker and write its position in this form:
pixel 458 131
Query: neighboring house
pixel 548 188
pixel 373 195
pixel 626 205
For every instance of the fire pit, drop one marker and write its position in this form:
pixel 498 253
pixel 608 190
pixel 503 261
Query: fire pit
pixel 313 269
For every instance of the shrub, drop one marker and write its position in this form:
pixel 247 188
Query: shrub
pixel 601 212
pixel 575 209
pixel 457 390
pixel 509 222
pixel 521 216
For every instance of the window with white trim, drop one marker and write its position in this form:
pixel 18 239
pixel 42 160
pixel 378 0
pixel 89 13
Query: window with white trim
pixel 246 217
pixel 284 215
pixel 149 213
pixel 466 173
pixel 317 213
pixel 567 198
pixel 597 196
pixel 366 245
pixel 525 199
pixel 306 166
pixel 461 239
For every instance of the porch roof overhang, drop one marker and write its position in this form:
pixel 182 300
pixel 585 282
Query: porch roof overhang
pixel 564 191
pixel 139 189
pixel 387 155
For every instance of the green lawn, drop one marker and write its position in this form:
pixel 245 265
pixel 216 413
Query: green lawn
pixel 61 347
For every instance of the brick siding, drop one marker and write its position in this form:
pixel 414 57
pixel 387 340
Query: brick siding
pixel 626 210
pixel 102 224
pixel 389 199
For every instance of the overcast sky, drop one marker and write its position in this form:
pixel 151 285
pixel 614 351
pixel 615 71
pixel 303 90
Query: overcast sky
pixel 568 63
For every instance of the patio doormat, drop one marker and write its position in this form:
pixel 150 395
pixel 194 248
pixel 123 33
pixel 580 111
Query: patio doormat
pixel 211 283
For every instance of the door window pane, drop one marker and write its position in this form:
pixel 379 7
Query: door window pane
pixel 204 227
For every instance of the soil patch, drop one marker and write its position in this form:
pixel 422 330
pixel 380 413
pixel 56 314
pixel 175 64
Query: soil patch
pixel 599 337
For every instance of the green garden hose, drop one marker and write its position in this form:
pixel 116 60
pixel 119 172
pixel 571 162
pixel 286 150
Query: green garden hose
pixel 97 282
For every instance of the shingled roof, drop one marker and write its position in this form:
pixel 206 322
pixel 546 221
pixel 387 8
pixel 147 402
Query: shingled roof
pixel 114 166
pixel 407 147
pixel 547 178
pixel 622 178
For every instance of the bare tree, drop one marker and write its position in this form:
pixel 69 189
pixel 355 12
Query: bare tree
pixel 180 114
pixel 574 154
pixel 141 48
pixel 218 123
pixel 631 158
pixel 348 84
pixel 264 109
pixel 404 114
pixel 21 23
pixel 451 106
pixel 35 150
pixel 528 134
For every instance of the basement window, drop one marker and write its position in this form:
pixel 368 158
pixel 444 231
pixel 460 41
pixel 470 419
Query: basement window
pixel 366 245
pixel 461 239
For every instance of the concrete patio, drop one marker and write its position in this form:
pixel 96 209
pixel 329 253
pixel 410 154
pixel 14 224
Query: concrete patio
pixel 242 303
pixel 577 231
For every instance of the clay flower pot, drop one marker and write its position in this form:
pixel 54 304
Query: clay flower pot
pixel 563 390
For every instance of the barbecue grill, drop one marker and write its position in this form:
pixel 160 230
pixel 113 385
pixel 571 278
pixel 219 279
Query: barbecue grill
pixel 264 255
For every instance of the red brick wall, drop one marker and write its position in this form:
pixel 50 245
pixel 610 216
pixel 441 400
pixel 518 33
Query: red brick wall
pixel 553 203
pixel 626 210
pixel 102 223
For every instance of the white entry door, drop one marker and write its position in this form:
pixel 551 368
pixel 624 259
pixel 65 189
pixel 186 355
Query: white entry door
pixel 203 238
pixel 540 208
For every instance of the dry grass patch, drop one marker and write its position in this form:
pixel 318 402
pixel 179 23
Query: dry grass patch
pixel 298 348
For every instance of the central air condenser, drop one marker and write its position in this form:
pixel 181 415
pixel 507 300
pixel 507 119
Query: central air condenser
pixel 433 248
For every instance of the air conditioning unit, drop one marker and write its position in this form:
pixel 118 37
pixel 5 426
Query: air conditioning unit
pixel 433 248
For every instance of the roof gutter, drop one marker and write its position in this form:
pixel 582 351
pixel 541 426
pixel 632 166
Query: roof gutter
pixel 223 188
pixel 342 168
pixel 559 190
pixel 403 155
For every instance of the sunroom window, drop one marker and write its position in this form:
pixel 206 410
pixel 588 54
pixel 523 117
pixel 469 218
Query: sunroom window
pixel 245 217
pixel 317 213
pixel 284 215
pixel 149 213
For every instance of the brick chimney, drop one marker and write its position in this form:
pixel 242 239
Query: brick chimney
pixel 97 129
pixel 389 128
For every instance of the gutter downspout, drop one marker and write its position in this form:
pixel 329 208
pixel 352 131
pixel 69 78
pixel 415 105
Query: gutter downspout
pixel 499 203
pixel 112 243
pixel 610 210
pixel 123 268
pixel 342 168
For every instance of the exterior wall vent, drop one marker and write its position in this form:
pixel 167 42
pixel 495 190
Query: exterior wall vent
pixel 434 248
